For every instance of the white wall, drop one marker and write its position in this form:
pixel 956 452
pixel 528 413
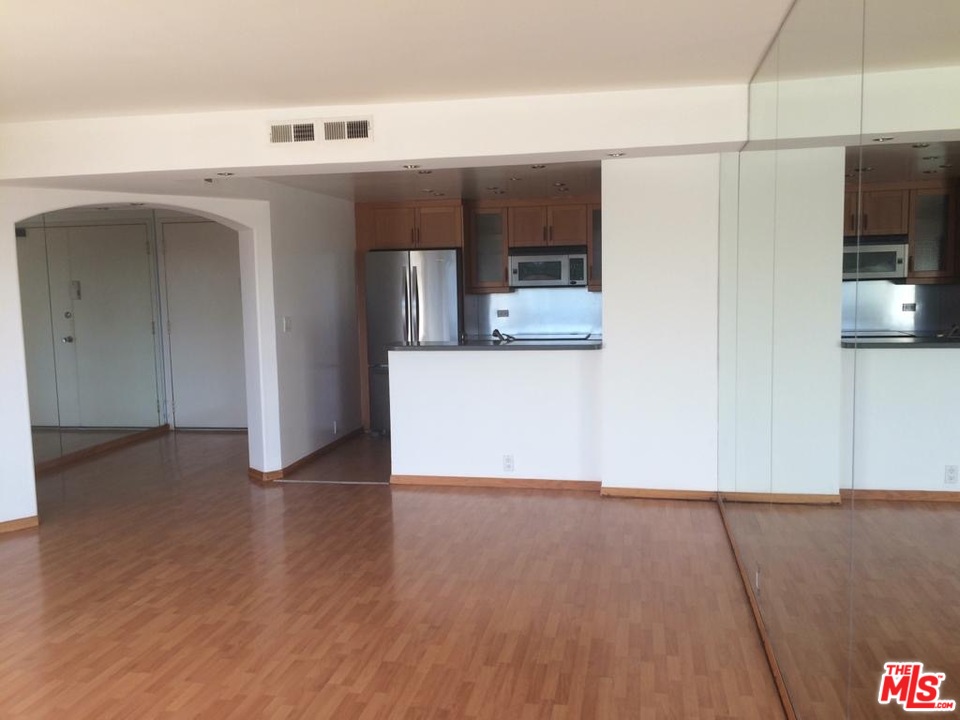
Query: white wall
pixel 313 263
pixel 252 220
pixel 902 418
pixel 659 364
pixel 786 275
pixel 480 131
pixel 806 329
pixel 457 413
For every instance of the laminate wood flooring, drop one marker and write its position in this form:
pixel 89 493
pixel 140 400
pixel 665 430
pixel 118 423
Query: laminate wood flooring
pixel 845 589
pixel 163 584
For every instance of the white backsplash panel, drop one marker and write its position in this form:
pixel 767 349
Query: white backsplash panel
pixel 534 311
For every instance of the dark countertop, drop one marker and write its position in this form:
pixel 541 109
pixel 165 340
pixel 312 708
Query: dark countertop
pixel 902 342
pixel 592 343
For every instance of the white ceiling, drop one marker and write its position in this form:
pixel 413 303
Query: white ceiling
pixel 902 162
pixel 64 58
pixel 507 182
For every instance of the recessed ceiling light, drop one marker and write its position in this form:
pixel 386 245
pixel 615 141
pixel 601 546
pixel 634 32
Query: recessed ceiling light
pixel 208 180
pixel 493 187
pixel 516 178
pixel 498 191
pixel 137 204
pixel 559 184
pixel 563 189
pixel 920 146
pixel 439 194
pixel 411 167
pixel 616 154
pixel 931 157
pixel 883 138
pixel 427 190
pixel 424 172
pixel 225 174
pixel 929 172
pixel 537 167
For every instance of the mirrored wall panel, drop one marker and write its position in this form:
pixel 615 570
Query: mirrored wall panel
pixel 839 326
pixel 90 318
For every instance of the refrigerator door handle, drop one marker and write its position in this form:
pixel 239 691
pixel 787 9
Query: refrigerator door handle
pixel 405 302
pixel 415 294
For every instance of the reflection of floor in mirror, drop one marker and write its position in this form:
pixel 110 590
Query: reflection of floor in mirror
pixel 51 443
pixel 904 595
pixel 161 581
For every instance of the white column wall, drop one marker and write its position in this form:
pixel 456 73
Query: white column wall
pixel 787 397
pixel 659 365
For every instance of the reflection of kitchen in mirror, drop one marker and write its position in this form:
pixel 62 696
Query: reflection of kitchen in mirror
pixel 839 350
pixel 902 390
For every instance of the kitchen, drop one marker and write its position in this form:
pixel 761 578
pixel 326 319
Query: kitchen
pixel 473 311
pixel 901 315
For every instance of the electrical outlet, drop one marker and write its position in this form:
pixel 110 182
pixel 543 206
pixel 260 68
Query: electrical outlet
pixel 503 313
pixel 508 463
pixel 950 475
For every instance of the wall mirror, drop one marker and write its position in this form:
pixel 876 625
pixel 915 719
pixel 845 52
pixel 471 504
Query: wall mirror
pixel 840 291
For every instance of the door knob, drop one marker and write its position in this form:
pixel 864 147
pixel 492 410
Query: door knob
pixel 67 339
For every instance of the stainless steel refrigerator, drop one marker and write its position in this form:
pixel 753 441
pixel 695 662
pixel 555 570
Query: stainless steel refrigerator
pixel 412 297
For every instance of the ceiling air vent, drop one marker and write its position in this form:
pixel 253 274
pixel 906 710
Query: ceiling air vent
pixel 292 132
pixel 332 130
pixel 346 129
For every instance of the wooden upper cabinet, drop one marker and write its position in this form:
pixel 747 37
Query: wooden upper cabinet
pixel 408 227
pixel 394 228
pixel 885 212
pixel 440 227
pixel 528 226
pixel 567 225
pixel 850 212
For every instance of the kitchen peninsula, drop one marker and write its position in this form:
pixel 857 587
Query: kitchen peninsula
pixel 512 414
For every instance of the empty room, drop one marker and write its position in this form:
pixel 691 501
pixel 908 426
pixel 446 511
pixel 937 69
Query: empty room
pixel 431 360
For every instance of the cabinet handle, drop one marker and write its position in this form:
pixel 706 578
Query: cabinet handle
pixel 505 278
pixel 413 236
pixel 853 222
pixel 866 219
pixel 550 236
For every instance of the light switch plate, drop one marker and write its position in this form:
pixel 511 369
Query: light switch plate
pixel 287 324
pixel 503 313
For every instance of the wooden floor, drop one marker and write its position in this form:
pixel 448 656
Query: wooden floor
pixel 844 589
pixel 163 584
pixel 50 443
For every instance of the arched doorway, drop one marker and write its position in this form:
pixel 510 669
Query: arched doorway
pixel 249 218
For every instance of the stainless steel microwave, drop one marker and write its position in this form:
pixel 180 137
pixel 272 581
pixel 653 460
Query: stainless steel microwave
pixel 875 262
pixel 548 270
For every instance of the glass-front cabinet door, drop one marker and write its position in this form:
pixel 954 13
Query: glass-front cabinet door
pixel 931 235
pixel 488 250
pixel 594 249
